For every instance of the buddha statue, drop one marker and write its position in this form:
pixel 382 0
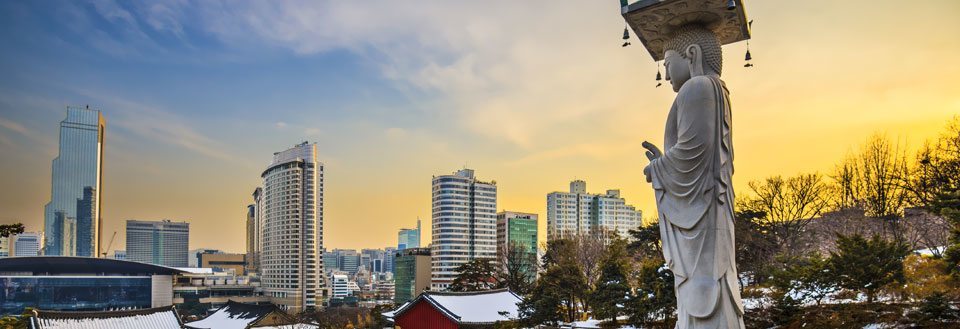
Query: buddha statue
pixel 692 180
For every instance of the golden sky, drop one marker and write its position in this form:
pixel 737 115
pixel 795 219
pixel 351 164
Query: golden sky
pixel 531 95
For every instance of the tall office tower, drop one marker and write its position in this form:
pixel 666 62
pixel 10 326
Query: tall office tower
pixel 86 214
pixel 409 237
pixel 64 229
pixel 291 264
pixel 517 242
pixel 252 258
pixel 579 212
pixel 158 242
pixel 26 244
pixel 258 226
pixel 464 224
pixel 78 166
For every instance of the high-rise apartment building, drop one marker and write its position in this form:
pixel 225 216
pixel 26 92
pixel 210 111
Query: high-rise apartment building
pixel 162 242
pixel 291 263
pixel 578 212
pixel 76 168
pixel 411 273
pixel 517 242
pixel 464 224
pixel 26 244
pixel 409 237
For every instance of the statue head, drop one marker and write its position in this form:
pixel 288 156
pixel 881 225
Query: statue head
pixel 693 51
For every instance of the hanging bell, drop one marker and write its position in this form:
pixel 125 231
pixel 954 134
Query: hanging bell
pixel 626 33
pixel 748 57
pixel 658 76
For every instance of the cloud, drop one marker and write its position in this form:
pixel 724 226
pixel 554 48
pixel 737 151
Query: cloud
pixel 280 125
pixel 157 124
pixel 505 71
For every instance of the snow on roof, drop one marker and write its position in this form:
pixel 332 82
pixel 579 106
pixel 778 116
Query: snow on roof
pixel 153 318
pixel 389 315
pixel 233 315
pixel 291 326
pixel 480 307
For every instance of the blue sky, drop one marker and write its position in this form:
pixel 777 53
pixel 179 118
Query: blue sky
pixel 198 95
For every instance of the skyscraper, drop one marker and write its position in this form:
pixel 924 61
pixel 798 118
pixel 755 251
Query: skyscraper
pixel 291 263
pixel 86 220
pixel 464 224
pixel 408 237
pixel 158 242
pixel 517 242
pixel 76 168
pixel 579 212
pixel 252 257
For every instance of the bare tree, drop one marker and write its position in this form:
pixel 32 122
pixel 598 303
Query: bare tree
pixel 876 180
pixel 518 266
pixel 590 249
pixel 788 205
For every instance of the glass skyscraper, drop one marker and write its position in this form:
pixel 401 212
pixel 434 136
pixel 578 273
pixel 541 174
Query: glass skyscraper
pixel 76 169
pixel 517 241
pixel 408 237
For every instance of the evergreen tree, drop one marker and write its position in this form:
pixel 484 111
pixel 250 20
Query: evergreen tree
pixel 559 292
pixel 654 296
pixel 806 278
pixel 867 265
pixel 612 290
pixel 476 275
pixel 7 230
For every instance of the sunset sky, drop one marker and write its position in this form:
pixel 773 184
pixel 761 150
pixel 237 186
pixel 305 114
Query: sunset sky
pixel 198 95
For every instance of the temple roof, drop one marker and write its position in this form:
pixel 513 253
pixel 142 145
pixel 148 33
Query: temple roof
pixel 151 318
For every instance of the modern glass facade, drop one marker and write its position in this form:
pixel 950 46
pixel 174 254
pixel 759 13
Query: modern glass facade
pixel 94 293
pixel 77 166
pixel 411 273
pixel 517 240
pixel 409 238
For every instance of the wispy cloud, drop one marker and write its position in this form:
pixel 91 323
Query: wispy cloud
pixel 159 125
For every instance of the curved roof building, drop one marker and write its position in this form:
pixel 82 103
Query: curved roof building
pixel 59 283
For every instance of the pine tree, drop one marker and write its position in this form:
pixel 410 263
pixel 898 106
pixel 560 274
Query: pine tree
pixel 559 292
pixel 867 265
pixel 654 296
pixel 612 290
pixel 476 275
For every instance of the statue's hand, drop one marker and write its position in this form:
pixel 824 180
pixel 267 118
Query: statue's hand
pixel 646 172
pixel 652 151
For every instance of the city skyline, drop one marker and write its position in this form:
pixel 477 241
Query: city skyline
pixel 189 121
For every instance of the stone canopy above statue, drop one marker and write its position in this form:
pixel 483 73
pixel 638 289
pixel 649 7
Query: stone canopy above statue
pixel 654 21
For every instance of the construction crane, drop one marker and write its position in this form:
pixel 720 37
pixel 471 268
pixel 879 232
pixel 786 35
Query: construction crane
pixel 107 249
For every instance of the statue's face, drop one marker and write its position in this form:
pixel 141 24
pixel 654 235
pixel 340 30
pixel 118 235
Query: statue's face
pixel 677 67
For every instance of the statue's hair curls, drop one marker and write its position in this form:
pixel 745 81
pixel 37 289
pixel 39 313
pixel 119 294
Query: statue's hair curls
pixel 695 34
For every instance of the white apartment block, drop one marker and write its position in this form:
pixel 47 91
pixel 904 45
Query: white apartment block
pixel 580 213
pixel 291 203
pixel 464 224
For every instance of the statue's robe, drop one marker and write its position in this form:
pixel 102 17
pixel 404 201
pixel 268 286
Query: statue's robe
pixel 694 191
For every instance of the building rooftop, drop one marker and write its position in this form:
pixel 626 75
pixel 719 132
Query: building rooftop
pixel 480 307
pixel 236 315
pixel 80 265
pixel 151 318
